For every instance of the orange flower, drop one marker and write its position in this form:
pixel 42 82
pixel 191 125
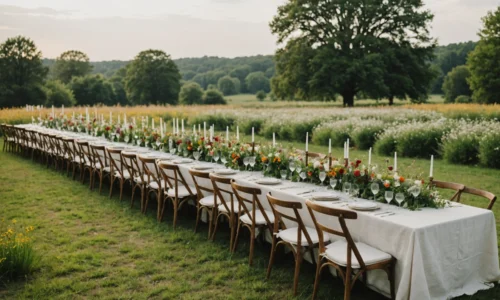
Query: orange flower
pixel 264 159
pixel 332 173
pixel 401 179
pixel 387 184
pixel 277 160
pixel 309 173
pixel 190 148
pixel 233 155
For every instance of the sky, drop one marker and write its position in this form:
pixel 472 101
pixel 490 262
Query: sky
pixel 119 29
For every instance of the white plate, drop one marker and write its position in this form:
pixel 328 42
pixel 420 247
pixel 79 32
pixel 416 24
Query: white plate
pixel 268 181
pixel 325 197
pixel 364 206
pixel 225 172
pixel 182 161
pixel 201 167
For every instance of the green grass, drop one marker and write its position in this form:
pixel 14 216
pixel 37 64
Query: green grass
pixel 250 100
pixel 91 246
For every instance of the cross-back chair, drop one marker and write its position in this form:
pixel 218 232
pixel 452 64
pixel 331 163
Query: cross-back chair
pixel 155 184
pixel 205 198
pixel 297 238
pixel 228 207
pixel 72 160
pixel 101 166
pixel 87 161
pixel 118 170
pixel 253 216
pixel 481 193
pixel 177 190
pixel 457 187
pixel 339 254
pixel 139 180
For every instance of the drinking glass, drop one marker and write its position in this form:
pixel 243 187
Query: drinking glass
pixel 415 191
pixel 322 177
pixel 126 139
pixel 283 174
pixel 223 159
pixel 252 161
pixel 303 175
pixel 185 153
pixel 246 161
pixel 138 142
pixel 375 188
pixel 400 197
pixel 346 188
pixel 292 166
pixel 216 156
pixel 172 150
pixel 196 155
pixel 158 143
pixel 354 190
pixel 388 196
pixel 333 183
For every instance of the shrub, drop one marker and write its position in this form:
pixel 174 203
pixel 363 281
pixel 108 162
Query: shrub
pixel 337 131
pixel 247 124
pixel 221 121
pixel 489 150
pixel 59 94
pixel 213 97
pixel 261 95
pixel 17 256
pixel 385 145
pixel 463 99
pixel 191 93
pixel 364 134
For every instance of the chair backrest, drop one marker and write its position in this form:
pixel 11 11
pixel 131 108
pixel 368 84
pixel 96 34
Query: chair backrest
pixel 457 187
pixel 130 162
pixel 490 196
pixel 115 161
pixel 341 216
pixel 69 148
pixel 250 204
pixel 85 152
pixel 98 153
pixel 60 145
pixel 198 178
pixel 52 143
pixel 150 169
pixel 277 206
pixel 173 177
pixel 220 183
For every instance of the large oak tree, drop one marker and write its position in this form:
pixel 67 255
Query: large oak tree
pixel 349 47
pixel 72 63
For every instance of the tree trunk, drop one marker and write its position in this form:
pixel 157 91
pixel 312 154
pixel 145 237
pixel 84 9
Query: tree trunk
pixel 348 99
pixel 391 100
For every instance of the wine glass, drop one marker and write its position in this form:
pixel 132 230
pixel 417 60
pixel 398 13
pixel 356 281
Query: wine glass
pixel 173 150
pixel 223 159
pixel 252 162
pixel 303 175
pixel 126 139
pixel 375 188
pixel 196 155
pixel 415 191
pixel 400 197
pixel 322 177
pixel 354 190
pixel 292 166
pixel 283 174
pixel 185 153
pixel 333 183
pixel 388 196
pixel 346 188
pixel 246 161
pixel 158 143
pixel 216 156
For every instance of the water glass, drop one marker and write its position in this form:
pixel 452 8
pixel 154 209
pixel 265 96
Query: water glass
pixel 346 188
pixel 303 175
pixel 415 191
pixel 246 161
pixel 216 156
pixel 375 188
pixel 252 162
pixel 333 183
pixel 223 159
pixel 389 195
pixel 196 155
pixel 283 174
pixel 322 176
pixel 400 197
pixel 292 166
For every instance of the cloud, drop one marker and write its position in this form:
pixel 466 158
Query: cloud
pixel 39 11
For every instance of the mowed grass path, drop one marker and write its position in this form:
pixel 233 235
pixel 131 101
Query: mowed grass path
pixel 91 246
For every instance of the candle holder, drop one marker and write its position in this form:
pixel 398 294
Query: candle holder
pixel 307 158
pixel 253 148
pixel 330 160
pixel 431 179
pixel 346 162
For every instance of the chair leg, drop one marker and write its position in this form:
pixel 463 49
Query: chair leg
pixel 101 179
pixel 298 262
pixel 216 225
pixel 236 237
pixel 347 284
pixel 132 198
pixel 316 280
pixel 252 246
pixel 175 211
pixel 121 189
pixel 392 272
pixel 198 213
pixel 271 259
pixel 111 181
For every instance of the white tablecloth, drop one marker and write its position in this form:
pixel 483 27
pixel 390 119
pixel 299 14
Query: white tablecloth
pixel 441 253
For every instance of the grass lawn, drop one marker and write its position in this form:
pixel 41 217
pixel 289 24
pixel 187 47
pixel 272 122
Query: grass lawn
pixel 91 246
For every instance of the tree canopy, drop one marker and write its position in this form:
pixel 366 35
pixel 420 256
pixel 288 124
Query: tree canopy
pixel 191 93
pixel 229 85
pixel 59 94
pixel 257 81
pixel 152 78
pixel 455 84
pixel 347 41
pixel 21 73
pixel 92 89
pixel 483 61
pixel 71 64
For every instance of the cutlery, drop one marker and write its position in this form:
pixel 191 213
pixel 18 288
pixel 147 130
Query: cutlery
pixel 390 214
pixel 382 213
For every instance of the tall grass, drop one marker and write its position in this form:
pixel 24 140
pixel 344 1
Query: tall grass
pixel 17 256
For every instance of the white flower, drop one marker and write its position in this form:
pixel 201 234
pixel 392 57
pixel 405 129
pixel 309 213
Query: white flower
pixel 326 166
pixel 317 164
pixel 396 177
pixel 379 176
pixel 418 182
pixel 335 163
pixel 386 182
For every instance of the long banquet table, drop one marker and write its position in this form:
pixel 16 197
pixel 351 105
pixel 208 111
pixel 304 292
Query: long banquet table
pixel 441 253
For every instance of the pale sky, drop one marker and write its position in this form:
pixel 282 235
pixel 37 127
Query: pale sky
pixel 119 29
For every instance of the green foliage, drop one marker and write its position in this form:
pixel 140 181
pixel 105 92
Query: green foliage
pixel 118 83
pixel 455 84
pixel 59 94
pixel 463 150
pixel 489 150
pixel 261 95
pixel 257 81
pixel 191 93
pixel 385 145
pixel 463 99
pixel 221 121
pixel 152 78
pixel 365 137
pixel 92 89
pixel 483 62
pixel 21 73
pixel 213 97
pixel 188 75
pixel 228 85
pixel 421 143
pixel 345 37
pixel 69 64
pixel 247 124
pixel 241 73
pixel 17 256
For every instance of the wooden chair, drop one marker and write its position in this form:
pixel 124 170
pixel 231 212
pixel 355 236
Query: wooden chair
pixel 117 170
pixel 228 209
pixel 252 216
pixel 72 159
pixel 7 137
pixel 339 253
pixel 139 180
pixel 155 184
pixel 476 192
pixel 457 187
pixel 101 166
pixel 205 198
pixel 176 189
pixel 297 238
pixel 86 161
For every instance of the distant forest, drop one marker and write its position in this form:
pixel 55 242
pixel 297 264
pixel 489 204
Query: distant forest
pixel 207 71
